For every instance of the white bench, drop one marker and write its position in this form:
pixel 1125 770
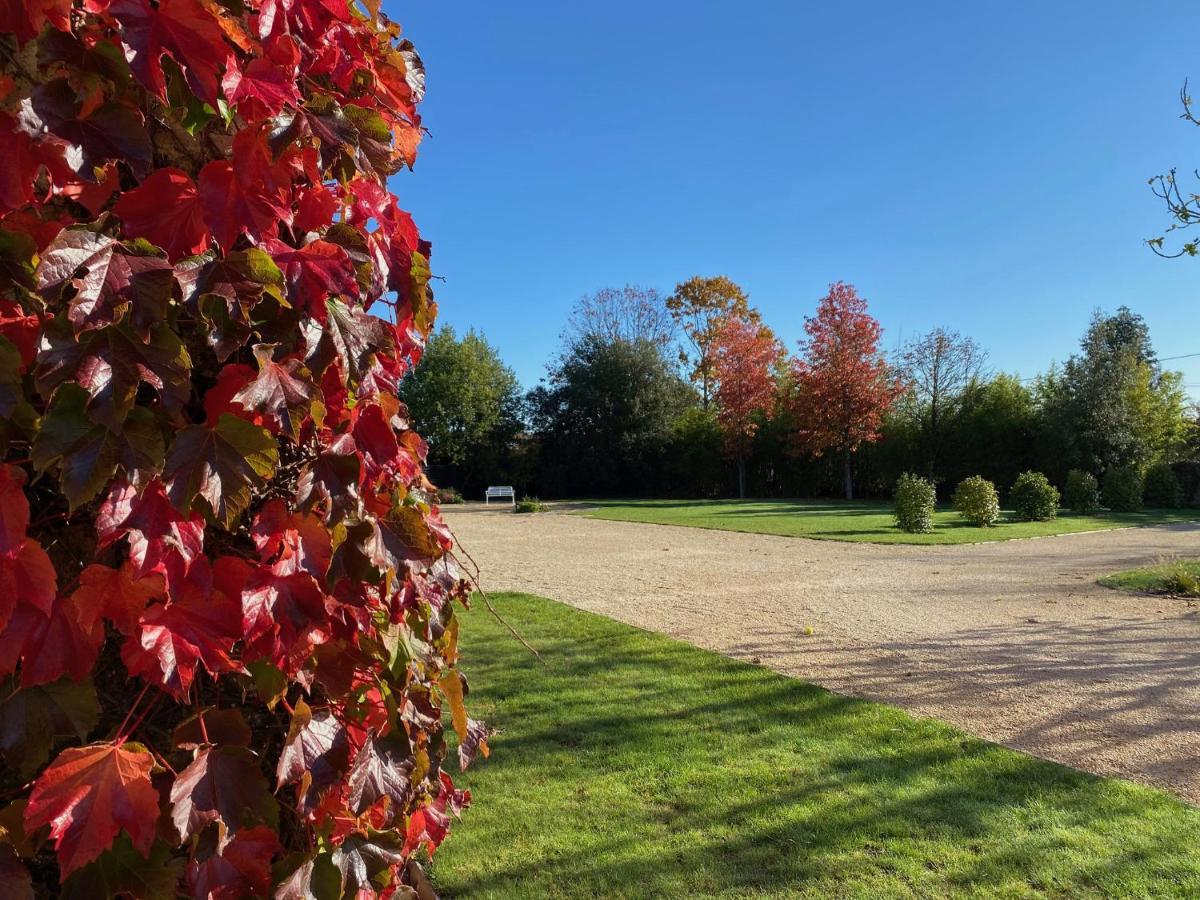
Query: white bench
pixel 501 491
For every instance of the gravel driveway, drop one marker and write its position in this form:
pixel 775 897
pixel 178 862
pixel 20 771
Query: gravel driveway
pixel 1012 641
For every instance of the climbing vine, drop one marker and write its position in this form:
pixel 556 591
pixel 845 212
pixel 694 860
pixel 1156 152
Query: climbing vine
pixel 228 637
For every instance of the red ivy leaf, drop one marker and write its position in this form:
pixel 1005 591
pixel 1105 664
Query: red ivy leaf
pixel 297 542
pixel 118 595
pixel 108 279
pixel 21 163
pixel 165 209
pixel 184 30
pixel 200 624
pixel 241 869
pixel 88 795
pixel 217 467
pixel 64 643
pixel 314 272
pixel 14 509
pixel 247 194
pixel 26 577
pixel 224 785
pixel 283 617
pixel 267 83
pixel 317 745
pixel 160 539
pixel 282 392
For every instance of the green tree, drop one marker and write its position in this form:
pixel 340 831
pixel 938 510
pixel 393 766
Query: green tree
pixel 1110 405
pixel 465 401
pixel 605 415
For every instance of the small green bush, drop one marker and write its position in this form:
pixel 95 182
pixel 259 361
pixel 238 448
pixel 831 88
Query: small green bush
pixel 976 499
pixel 529 505
pixel 915 499
pixel 1033 497
pixel 1083 493
pixel 1123 489
pixel 1180 580
pixel 449 496
pixel 1161 487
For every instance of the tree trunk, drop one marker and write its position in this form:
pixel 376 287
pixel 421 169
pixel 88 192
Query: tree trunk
pixel 848 476
pixel 741 466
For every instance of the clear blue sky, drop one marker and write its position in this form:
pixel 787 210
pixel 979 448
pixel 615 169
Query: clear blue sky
pixel 984 170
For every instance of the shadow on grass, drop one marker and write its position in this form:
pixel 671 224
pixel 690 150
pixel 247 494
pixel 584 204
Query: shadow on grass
pixel 637 766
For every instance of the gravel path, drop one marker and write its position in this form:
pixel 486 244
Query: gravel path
pixel 1012 641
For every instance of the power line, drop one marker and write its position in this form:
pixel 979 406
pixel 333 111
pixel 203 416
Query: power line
pixel 1181 356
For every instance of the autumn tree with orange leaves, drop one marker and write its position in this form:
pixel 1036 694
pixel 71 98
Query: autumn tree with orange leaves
pixel 843 385
pixel 744 357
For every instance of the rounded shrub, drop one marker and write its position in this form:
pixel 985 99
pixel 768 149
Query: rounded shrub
pixel 1033 497
pixel 976 499
pixel 529 505
pixel 1083 493
pixel 1123 489
pixel 915 499
pixel 1161 486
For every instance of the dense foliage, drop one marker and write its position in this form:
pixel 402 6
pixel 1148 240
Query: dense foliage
pixel 229 634
pixel 1161 487
pixel 915 500
pixel 1033 498
pixel 605 416
pixel 700 307
pixel 1123 488
pixel 745 355
pixel 467 405
pixel 977 500
pixel 1082 494
pixel 843 385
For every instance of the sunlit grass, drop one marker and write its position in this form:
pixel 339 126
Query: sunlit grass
pixel 860 520
pixel 632 765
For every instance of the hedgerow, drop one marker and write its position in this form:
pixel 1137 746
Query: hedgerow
pixel 1033 497
pixel 977 500
pixel 1123 488
pixel 227 603
pixel 1082 495
pixel 1161 487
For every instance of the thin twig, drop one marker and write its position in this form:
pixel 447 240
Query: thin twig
pixel 487 601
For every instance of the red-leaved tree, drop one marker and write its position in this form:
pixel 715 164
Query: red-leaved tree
pixel 227 603
pixel 842 384
pixel 744 355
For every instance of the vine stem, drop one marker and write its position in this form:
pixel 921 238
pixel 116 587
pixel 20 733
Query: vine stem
pixel 120 738
pixel 487 601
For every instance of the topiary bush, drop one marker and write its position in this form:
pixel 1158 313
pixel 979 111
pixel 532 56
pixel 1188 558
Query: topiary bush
pixel 976 499
pixel 1033 497
pixel 1161 488
pixel 529 505
pixel 228 638
pixel 915 500
pixel 1083 493
pixel 1123 489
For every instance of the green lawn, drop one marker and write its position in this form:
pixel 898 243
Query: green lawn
pixel 1152 579
pixel 633 765
pixel 837 520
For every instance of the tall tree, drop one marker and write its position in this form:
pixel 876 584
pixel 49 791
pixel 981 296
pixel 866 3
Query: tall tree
pixel 605 414
pixel 700 305
pixel 465 401
pixel 631 313
pixel 745 357
pixel 843 385
pixel 939 366
pixel 1110 405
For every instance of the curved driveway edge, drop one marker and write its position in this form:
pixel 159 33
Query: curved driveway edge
pixel 1012 641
